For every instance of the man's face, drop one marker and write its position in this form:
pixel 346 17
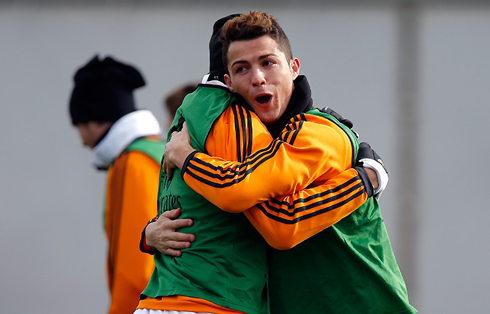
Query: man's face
pixel 91 131
pixel 260 72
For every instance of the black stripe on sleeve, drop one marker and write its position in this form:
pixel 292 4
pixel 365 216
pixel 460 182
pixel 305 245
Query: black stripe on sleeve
pixel 322 200
pixel 322 194
pixel 242 130
pixel 295 134
pixel 250 133
pixel 186 163
pixel 238 174
pixel 237 134
pixel 365 180
pixel 311 215
pixel 285 134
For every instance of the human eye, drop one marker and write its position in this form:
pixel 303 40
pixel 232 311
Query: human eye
pixel 240 69
pixel 268 63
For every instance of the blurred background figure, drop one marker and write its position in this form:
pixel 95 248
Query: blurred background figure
pixel 125 142
pixel 173 100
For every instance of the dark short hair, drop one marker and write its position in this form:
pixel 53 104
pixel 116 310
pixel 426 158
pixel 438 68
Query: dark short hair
pixel 253 25
pixel 175 98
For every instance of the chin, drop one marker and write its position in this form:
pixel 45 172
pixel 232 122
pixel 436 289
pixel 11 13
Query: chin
pixel 269 120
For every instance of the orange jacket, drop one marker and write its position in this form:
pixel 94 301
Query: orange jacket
pixel 132 186
pixel 320 192
pixel 310 164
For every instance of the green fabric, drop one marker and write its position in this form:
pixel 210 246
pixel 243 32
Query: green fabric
pixel 200 111
pixel 154 149
pixel 348 268
pixel 227 263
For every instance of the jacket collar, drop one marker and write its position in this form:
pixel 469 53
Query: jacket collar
pixel 123 132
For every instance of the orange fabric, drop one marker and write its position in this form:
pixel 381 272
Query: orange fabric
pixel 308 160
pixel 299 168
pixel 287 221
pixel 183 303
pixel 132 187
pixel 315 152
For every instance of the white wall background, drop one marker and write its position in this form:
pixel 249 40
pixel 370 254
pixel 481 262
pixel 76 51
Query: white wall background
pixel 52 245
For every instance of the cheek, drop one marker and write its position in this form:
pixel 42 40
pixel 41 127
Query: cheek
pixel 286 92
pixel 82 134
pixel 240 88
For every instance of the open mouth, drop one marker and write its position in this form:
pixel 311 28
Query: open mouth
pixel 263 99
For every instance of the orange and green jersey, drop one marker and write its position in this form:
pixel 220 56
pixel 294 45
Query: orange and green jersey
pixel 298 274
pixel 347 268
pixel 301 182
pixel 132 184
pixel 174 283
pixel 225 269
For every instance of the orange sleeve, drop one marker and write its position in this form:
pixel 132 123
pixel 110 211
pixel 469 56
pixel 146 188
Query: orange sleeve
pixel 130 202
pixel 255 168
pixel 288 220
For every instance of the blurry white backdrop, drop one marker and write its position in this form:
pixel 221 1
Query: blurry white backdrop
pixel 370 61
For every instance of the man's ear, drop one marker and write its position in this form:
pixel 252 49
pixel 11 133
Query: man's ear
pixel 228 82
pixel 295 67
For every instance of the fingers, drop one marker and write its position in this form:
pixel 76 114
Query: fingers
pixel 170 173
pixel 365 151
pixel 178 223
pixel 169 220
pixel 164 236
pixel 167 169
pixel 177 245
pixel 186 134
pixel 172 252
pixel 171 214
pixel 183 239
pixel 164 166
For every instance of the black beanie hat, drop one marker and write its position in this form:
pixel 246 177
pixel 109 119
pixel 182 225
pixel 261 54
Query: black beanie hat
pixel 216 67
pixel 103 91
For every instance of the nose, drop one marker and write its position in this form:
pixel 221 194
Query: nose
pixel 258 77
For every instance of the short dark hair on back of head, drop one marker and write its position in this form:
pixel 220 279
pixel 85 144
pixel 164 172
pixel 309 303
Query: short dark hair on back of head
pixel 253 25
pixel 174 99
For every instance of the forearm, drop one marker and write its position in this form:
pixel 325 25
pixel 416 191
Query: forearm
pixel 235 186
pixel 255 168
pixel 286 221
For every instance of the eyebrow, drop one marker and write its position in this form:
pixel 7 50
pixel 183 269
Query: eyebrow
pixel 260 58
pixel 267 56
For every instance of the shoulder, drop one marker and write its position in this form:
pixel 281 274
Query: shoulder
pixel 153 148
pixel 138 160
pixel 315 126
pixel 236 127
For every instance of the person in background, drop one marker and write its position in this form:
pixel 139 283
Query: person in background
pixel 125 142
pixel 174 99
